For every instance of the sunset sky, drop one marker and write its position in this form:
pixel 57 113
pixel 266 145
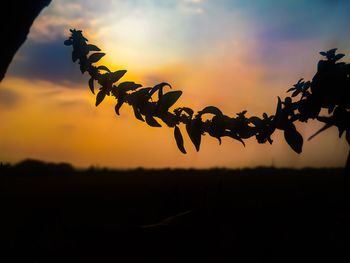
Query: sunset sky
pixel 234 54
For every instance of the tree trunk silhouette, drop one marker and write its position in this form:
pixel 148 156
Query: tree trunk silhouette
pixel 16 19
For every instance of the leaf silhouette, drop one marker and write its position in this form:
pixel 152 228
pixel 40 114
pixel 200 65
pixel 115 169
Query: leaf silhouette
pixel 117 75
pixel 68 42
pixel 189 111
pixel 118 106
pixel 91 85
pixel 140 96
pixel 169 119
pixel 279 107
pixel 168 100
pixel 96 57
pixel 179 139
pixel 93 48
pixel 236 137
pixel 103 68
pixel 195 133
pixel 74 56
pixel 128 85
pixel 84 65
pixel 338 57
pixel 99 97
pixel 210 109
pixel 159 87
pixel 280 116
pixel 137 113
pixel 331 53
pixel 325 127
pixel 152 121
pixel 294 139
pixel 256 121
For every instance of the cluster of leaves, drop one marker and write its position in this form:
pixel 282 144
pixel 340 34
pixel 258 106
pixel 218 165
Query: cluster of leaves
pixel 328 89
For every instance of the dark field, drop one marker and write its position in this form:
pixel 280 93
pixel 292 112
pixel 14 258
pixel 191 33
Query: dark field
pixel 56 214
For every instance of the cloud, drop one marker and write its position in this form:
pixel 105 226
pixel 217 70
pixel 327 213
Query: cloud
pixel 89 15
pixel 56 19
pixel 49 61
pixel 300 20
pixel 50 27
pixel 192 6
pixel 8 98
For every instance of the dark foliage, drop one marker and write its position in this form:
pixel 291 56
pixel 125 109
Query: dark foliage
pixel 218 215
pixel 329 89
pixel 32 167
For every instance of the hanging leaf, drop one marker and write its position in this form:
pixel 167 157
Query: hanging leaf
pixel 236 137
pixel 246 131
pixel 128 85
pixel 189 111
pixel 103 68
pixel 84 65
pixel 168 100
pixel 294 139
pixel 137 113
pixel 152 121
pixel 325 127
pixel 179 139
pixel 195 133
pixel 99 97
pixel 91 85
pixel 96 57
pixel 142 93
pixel 280 119
pixel 338 57
pixel 74 56
pixel 117 75
pixel 217 127
pixel 93 48
pixel 279 107
pixel 331 53
pixel 210 109
pixel 68 42
pixel 139 97
pixel 256 121
pixel 159 87
pixel 296 93
pixel 118 106
pixel 169 119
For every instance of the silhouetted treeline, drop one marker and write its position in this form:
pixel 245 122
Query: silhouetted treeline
pixel 36 167
pixel 216 215
pixel 33 167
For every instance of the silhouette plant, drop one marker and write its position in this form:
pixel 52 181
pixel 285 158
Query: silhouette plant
pixel 329 89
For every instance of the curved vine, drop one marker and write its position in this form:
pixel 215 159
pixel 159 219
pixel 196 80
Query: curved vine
pixel 329 89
